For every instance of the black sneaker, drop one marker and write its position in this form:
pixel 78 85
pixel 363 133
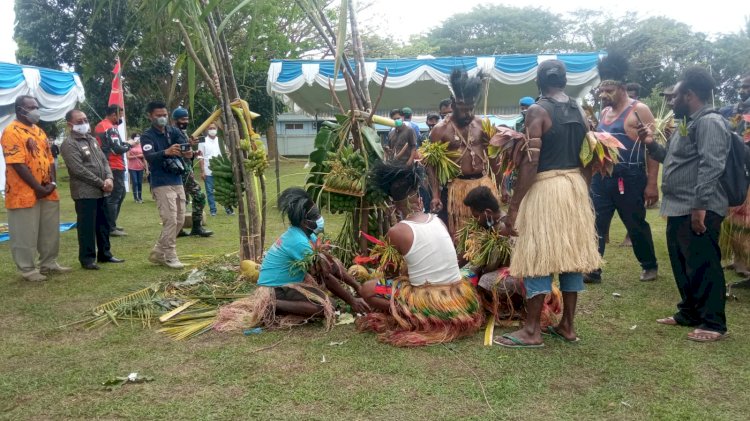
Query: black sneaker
pixel 592 278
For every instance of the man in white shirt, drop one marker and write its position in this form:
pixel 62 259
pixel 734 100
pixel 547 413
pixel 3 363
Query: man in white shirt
pixel 209 149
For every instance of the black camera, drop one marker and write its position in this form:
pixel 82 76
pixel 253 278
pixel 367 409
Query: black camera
pixel 174 165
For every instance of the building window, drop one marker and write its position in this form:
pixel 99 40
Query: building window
pixel 293 126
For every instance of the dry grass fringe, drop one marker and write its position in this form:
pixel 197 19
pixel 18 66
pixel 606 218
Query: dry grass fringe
pixel 458 213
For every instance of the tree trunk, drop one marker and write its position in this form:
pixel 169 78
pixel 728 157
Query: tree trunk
pixel 271 141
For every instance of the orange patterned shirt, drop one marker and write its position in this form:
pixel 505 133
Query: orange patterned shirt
pixel 28 145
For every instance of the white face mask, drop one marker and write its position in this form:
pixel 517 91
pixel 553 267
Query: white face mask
pixel 212 133
pixel 82 128
pixel 137 139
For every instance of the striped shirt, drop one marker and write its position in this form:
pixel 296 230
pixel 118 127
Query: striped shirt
pixel 693 165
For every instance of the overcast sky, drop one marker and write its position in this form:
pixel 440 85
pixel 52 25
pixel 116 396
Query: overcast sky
pixel 401 18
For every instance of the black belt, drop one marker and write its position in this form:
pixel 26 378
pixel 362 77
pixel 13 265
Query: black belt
pixel 470 177
pixel 632 164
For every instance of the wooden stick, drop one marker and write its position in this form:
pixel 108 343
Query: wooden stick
pixel 178 310
pixel 380 96
pixel 335 97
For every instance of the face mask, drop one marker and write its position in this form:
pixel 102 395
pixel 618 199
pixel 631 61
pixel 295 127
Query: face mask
pixel 81 128
pixel 33 116
pixel 399 122
pixel 137 139
pixel 490 221
pixel 212 133
pixel 320 225
pixel 182 126
pixel 161 121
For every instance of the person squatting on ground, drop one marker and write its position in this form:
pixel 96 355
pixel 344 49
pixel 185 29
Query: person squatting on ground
pixel 633 183
pixel 430 303
pixel 695 205
pixel 286 294
pixel 164 146
pixel 208 149
pixel 113 147
pixel 181 120
pixel 502 295
pixel 550 210
pixel 463 133
pixel 136 168
pixel 31 194
pixel 90 185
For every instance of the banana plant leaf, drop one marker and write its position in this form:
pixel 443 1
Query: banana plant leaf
pixel 372 141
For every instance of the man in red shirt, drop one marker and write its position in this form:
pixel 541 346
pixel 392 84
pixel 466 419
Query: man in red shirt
pixel 113 148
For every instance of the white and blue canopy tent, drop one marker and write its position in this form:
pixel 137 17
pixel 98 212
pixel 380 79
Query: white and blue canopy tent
pixel 57 92
pixel 422 83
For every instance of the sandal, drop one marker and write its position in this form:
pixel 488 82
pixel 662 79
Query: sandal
pixel 669 321
pixel 515 342
pixel 701 335
pixel 555 334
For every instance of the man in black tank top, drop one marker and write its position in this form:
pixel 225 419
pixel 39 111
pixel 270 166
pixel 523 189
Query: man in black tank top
pixel 551 210
pixel 632 186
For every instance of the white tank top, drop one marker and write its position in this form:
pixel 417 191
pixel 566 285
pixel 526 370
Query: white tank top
pixel 432 257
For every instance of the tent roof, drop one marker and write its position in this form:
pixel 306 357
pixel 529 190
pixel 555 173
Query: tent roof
pixel 422 83
pixel 56 91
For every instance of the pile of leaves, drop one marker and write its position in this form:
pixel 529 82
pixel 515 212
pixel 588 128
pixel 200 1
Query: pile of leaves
pixel 482 247
pixel 383 256
pixel 437 156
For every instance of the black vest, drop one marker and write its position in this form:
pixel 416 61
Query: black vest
pixel 561 145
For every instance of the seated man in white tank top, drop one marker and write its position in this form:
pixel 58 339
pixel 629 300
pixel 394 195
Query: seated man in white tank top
pixel 431 303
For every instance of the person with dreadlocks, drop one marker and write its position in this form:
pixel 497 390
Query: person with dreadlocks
pixel 286 295
pixel 462 131
pixel 430 303
pixel 550 210
pixel 632 186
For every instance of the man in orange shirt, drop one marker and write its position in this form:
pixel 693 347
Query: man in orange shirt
pixel 113 147
pixel 31 194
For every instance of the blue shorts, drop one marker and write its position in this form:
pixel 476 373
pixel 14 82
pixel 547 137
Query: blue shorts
pixel 569 282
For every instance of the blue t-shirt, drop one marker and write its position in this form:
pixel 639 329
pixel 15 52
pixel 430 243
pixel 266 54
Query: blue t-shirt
pixel 276 269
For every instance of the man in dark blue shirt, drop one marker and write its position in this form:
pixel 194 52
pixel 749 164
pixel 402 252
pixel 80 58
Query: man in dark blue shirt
pixel 163 148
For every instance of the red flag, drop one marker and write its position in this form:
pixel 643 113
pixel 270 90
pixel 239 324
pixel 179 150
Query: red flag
pixel 115 95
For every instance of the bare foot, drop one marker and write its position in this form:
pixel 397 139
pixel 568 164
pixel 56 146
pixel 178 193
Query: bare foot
pixel 564 333
pixel 626 242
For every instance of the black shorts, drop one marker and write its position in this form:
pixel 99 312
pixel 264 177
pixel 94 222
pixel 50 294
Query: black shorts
pixel 291 294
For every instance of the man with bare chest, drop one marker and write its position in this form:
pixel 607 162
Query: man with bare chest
pixel 462 131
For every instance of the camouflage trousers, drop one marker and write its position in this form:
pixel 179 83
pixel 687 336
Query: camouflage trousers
pixel 193 189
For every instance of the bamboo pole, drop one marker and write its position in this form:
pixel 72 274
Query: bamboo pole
pixel 275 145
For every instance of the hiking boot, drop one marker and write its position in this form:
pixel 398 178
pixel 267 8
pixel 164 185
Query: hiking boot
pixel 649 275
pixel 156 258
pixel 199 231
pixel 57 269
pixel 174 264
pixel 592 277
pixel 34 277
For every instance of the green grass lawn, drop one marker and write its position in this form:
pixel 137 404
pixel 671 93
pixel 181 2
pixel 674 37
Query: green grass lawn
pixel 625 367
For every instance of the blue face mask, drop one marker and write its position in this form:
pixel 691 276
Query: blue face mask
pixel 320 225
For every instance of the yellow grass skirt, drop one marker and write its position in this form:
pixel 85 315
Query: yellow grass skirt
pixel 458 213
pixel 426 314
pixel 556 227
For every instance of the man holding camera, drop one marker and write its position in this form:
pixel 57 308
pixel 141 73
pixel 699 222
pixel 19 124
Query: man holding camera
pixel 181 120
pixel 164 147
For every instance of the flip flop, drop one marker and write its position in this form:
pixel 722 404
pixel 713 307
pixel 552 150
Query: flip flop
pixel 517 343
pixel 669 321
pixel 555 334
pixel 715 338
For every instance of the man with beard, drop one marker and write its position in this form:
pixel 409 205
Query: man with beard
pixel 629 189
pixel 181 120
pixel 550 210
pixel 462 131
pixel 695 205
pixel 738 220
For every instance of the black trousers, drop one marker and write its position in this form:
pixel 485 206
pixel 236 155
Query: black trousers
pixel 93 230
pixel 115 199
pixel 696 264
pixel 630 205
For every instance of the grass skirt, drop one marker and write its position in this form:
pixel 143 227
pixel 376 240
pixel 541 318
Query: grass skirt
pixel 735 234
pixel 458 213
pixel 556 227
pixel 506 300
pixel 259 310
pixel 427 314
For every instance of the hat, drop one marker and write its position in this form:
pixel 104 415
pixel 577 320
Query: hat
pixel 406 111
pixel 179 113
pixel 526 101
pixel 669 90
